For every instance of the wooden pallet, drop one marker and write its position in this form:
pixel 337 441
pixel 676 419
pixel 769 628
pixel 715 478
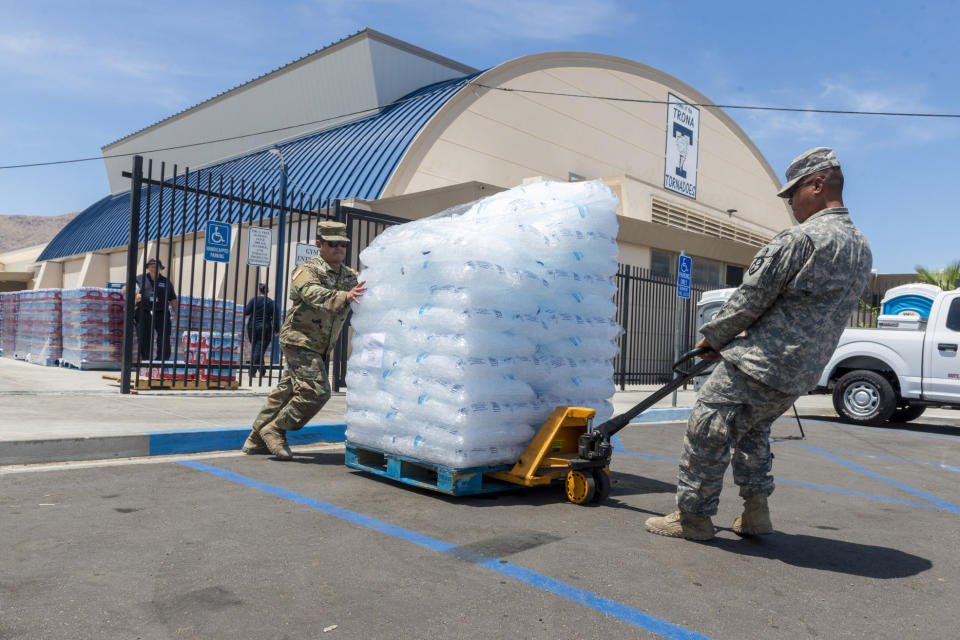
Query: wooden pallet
pixel 427 475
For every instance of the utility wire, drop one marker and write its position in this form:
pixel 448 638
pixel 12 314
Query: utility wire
pixel 725 106
pixel 901 114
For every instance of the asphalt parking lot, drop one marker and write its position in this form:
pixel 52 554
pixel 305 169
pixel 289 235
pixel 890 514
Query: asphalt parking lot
pixel 230 546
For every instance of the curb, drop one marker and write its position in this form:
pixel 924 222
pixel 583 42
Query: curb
pixel 184 441
pixel 154 443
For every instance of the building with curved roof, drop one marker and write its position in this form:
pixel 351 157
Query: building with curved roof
pixel 422 133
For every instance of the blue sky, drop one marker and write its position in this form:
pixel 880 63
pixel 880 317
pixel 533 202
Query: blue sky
pixel 75 76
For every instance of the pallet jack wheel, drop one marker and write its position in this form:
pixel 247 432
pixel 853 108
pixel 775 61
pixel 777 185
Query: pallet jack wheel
pixel 601 478
pixel 580 486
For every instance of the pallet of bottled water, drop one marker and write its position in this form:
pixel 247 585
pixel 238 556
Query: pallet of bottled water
pixel 478 321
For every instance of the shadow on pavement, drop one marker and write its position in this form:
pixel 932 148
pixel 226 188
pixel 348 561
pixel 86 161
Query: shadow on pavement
pixel 942 427
pixel 331 458
pixel 827 554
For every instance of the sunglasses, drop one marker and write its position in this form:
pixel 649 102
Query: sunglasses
pixel 336 244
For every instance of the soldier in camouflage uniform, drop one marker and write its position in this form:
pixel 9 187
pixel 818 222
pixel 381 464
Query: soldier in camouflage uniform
pixel 772 339
pixel 321 291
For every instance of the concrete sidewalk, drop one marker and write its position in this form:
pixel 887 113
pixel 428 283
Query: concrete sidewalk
pixel 51 414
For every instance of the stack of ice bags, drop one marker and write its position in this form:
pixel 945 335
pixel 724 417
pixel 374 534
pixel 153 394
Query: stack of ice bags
pixel 480 320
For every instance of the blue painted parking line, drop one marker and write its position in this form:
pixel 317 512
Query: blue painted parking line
pixel 920 494
pixel 878 457
pixel 949 508
pixel 586 598
pixel 164 443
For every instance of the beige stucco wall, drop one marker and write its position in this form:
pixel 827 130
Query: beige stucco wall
pixel 502 138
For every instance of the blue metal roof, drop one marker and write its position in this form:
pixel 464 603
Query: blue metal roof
pixel 351 160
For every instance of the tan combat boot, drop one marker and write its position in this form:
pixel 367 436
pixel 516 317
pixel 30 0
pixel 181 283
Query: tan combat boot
pixel 755 519
pixel 254 444
pixel 276 441
pixel 682 525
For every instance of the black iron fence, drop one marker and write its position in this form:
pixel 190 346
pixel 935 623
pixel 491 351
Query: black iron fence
pixel 200 324
pixel 647 311
pixel 207 324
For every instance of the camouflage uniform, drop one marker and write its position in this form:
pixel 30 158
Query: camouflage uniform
pixel 775 335
pixel 318 292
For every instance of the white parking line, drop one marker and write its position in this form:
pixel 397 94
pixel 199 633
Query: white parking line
pixel 92 464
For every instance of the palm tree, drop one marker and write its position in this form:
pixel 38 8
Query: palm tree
pixel 947 278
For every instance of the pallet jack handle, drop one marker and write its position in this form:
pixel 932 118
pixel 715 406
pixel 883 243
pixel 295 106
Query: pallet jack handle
pixel 616 423
pixel 595 445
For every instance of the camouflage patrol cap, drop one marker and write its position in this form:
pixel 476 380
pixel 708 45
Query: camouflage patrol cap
pixel 808 163
pixel 332 231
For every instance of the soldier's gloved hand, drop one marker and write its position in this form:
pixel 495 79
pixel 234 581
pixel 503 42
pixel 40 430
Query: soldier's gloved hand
pixel 357 292
pixel 713 355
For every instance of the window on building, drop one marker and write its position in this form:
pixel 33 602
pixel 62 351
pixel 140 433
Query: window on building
pixel 661 264
pixel 707 273
pixel 734 275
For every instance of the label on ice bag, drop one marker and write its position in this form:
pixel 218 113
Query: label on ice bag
pixel 372 355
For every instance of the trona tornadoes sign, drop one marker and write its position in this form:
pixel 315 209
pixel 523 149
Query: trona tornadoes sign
pixel 683 146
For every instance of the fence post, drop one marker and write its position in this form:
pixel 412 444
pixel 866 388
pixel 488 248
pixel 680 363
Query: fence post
pixel 340 348
pixel 133 244
pixel 677 329
pixel 623 312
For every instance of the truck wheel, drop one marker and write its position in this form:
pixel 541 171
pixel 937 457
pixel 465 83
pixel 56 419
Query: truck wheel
pixel 908 413
pixel 864 397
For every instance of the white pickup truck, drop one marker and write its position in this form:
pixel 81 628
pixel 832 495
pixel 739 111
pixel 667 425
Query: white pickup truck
pixel 894 372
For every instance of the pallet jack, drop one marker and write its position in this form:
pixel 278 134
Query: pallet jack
pixel 567 447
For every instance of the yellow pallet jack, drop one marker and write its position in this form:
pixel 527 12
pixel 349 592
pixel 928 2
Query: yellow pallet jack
pixel 567 447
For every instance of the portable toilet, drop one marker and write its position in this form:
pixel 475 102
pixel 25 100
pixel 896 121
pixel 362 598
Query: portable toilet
pixel 707 309
pixel 913 299
pixel 710 304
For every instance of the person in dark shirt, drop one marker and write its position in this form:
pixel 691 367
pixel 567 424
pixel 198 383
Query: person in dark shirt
pixel 155 297
pixel 262 326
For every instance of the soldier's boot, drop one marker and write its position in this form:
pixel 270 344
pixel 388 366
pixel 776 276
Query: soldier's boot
pixel 682 525
pixel 254 444
pixel 276 441
pixel 755 519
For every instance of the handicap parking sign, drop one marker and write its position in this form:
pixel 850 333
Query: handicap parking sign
pixel 217 242
pixel 684 265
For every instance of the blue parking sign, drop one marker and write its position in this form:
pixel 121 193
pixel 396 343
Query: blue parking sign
pixel 684 268
pixel 217 242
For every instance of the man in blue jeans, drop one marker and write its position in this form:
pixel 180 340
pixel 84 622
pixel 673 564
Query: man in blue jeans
pixel 262 325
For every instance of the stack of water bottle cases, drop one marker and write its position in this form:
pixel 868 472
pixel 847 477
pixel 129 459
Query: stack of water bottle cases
pixel 83 328
pixel 38 338
pixel 92 327
pixel 479 321
pixel 210 341
pixel 9 310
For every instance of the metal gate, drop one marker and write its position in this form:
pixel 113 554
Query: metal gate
pixel 219 239
pixel 647 311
